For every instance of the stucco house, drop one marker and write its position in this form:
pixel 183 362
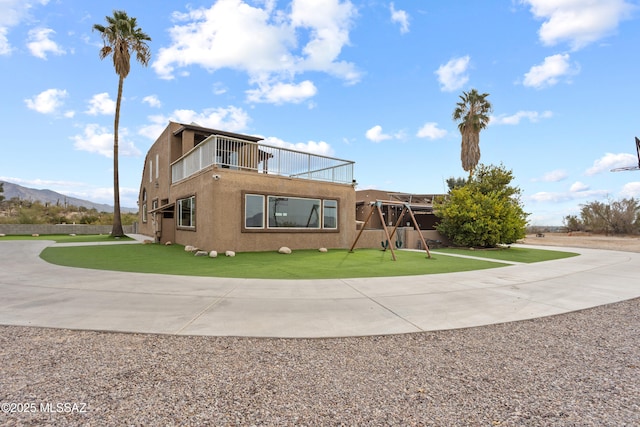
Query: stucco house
pixel 221 191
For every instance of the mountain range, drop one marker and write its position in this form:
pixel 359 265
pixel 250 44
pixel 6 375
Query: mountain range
pixel 12 190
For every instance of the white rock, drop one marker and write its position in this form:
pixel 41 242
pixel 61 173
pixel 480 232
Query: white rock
pixel 213 254
pixel 284 250
pixel 322 250
pixel 201 253
pixel 168 243
pixel 189 248
pixel 230 253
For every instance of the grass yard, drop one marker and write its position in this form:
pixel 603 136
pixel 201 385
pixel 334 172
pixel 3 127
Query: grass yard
pixel 301 264
pixel 525 255
pixel 67 238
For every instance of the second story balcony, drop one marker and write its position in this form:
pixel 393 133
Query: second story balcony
pixel 237 154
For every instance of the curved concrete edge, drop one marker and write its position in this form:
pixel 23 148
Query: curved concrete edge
pixel 36 293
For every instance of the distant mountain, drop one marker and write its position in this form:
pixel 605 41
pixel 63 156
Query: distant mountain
pixel 47 196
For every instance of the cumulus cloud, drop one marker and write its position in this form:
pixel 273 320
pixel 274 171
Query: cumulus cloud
pixel 232 119
pixel 452 75
pixel 101 104
pixel 321 148
pixel 514 119
pixel 576 192
pixel 631 189
pixel 431 130
pixel 39 43
pixel 579 23
pixel 282 43
pixel 549 73
pixel 280 93
pixel 375 134
pixel 48 101
pixel 610 161
pixel 152 100
pixel 12 13
pixel 97 139
pixel 400 17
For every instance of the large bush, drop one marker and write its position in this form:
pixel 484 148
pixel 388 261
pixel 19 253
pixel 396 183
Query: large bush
pixel 485 212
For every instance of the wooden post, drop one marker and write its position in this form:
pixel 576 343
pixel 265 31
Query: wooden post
pixel 363 227
pixel 386 231
pixel 415 224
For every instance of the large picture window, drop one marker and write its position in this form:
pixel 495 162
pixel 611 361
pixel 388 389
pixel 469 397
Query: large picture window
pixel 187 212
pixel 253 211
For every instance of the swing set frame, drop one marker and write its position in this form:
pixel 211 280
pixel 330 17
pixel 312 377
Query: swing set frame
pixel 406 208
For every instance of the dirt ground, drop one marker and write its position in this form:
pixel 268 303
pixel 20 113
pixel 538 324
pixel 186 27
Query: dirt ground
pixel 585 240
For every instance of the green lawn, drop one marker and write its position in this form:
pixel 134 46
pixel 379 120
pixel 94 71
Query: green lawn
pixel 525 255
pixel 301 264
pixel 67 238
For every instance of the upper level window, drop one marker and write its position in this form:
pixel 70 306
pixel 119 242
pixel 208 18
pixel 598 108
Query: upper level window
pixel 187 212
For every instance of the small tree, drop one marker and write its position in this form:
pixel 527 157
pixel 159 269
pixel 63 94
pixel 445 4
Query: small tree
pixel 613 217
pixel 485 212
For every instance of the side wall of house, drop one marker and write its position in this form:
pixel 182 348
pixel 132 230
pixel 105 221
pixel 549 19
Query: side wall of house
pixel 220 211
pixel 156 179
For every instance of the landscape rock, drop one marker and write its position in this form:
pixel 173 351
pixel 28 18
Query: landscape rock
pixel 284 250
pixel 323 250
pixel 213 254
pixel 168 243
pixel 201 253
pixel 230 253
pixel 189 248
pixel 2 235
pixel 35 235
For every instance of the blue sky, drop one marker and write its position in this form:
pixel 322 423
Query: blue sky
pixel 371 81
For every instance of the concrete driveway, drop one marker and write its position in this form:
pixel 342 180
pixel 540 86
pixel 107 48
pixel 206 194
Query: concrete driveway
pixel 35 293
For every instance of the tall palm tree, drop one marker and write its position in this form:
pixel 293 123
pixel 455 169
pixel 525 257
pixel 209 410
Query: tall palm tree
pixel 472 113
pixel 121 38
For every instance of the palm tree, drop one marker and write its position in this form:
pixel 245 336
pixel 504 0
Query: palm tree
pixel 472 113
pixel 121 37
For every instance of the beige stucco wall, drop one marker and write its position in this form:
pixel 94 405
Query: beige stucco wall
pixel 220 211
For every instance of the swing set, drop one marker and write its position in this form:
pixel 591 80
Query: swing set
pixel 406 208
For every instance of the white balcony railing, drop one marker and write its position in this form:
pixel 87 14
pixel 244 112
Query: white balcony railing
pixel 238 154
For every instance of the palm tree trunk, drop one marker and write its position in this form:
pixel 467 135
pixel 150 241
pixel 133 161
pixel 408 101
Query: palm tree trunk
pixel 116 230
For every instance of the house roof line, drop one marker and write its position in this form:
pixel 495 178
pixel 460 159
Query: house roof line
pixel 211 131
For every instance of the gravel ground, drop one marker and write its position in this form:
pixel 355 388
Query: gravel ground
pixel 578 369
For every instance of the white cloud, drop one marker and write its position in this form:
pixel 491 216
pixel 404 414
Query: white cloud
pixel 5 47
pixel 280 93
pixel 557 197
pixel 579 23
pixel 514 119
pixel 307 36
pixel 47 102
pixel 631 189
pixel 452 75
pixel 97 139
pixel 101 104
pixel 610 161
pixel 553 176
pixel 432 131
pixel 550 71
pixel 321 148
pixel 375 134
pixel 231 119
pixel 401 17
pixel 578 187
pixel 40 43
pixel 152 100
pixel 12 13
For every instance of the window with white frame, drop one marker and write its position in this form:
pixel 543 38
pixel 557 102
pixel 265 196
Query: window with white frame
pixel 187 212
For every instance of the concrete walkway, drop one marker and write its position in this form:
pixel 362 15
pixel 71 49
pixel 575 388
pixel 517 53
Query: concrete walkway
pixel 36 293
